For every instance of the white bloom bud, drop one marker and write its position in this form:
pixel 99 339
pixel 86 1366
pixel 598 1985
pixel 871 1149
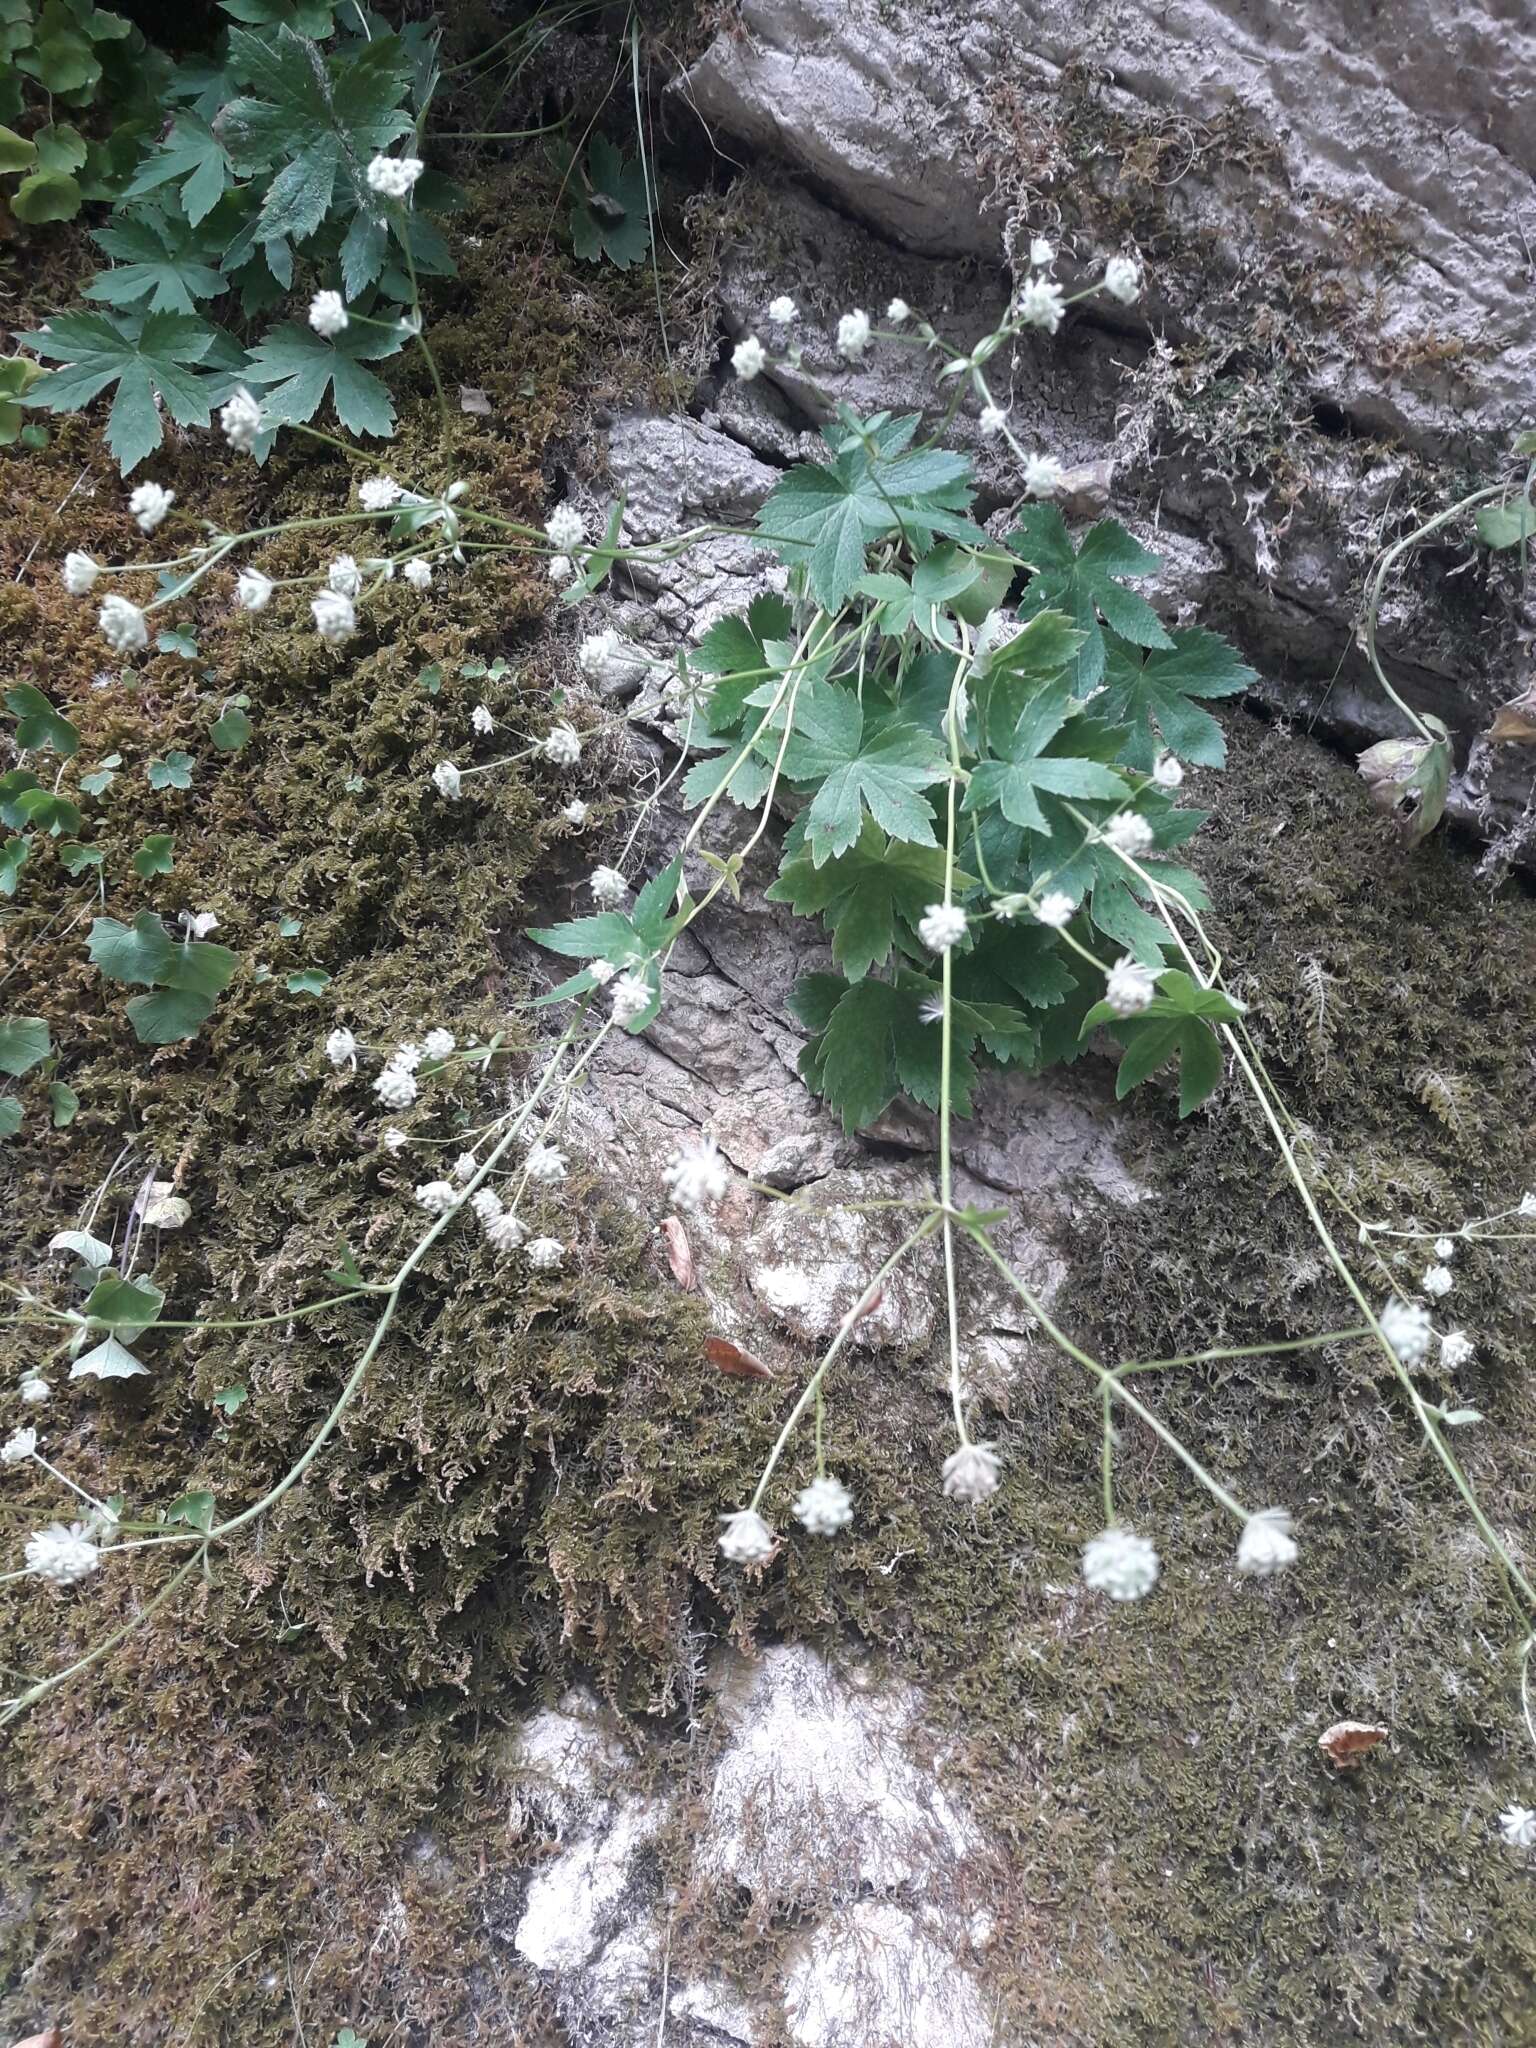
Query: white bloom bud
pixel 1167 773
pixel 824 1507
pixel 1128 833
pixel 631 998
pixel 601 971
pixel 562 745
pixel 1266 1545
pixel 341 1048
pixel 394 1140
pixel 503 1232
pixel 697 1176
pixel 575 813
pixel 1456 1350
pixel 240 417
pixel 344 576
pixel 1055 909
pixel 485 1202
pixel 62 1555
pixel 992 422
pixel 971 1473
pixel 853 334
pixel 1041 253
pixel 335 620
pixel 253 591
pixel 149 505
pixel 746 1537
pixel 18 1446
pixel 545 1164
pixel 379 494
pixel 941 926
pixel 561 570
pixel 608 887
pixel 418 574
pixel 465 1167
pixel 609 659
pixel 393 176
pixel 328 314
pixel 1527 1206
pixel 437 1197
pixel 898 311
pixel 407 1057
pixel 1120 1563
pixel 566 529
pixel 1445 1249
pixel 1438 1282
pixel 122 625
pixel 1122 280
pixel 749 359
pixel 782 311
pixel 482 721
pixel 1517 1824
pixel 447 780
pixel 395 1088
pixel 35 1390
pixel 438 1044
pixel 79 573
pixel 1042 476
pixel 1129 987
pixel 545 1253
pixel 1040 304
pixel 1407 1328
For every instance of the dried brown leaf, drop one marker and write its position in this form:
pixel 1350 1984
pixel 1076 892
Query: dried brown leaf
pixel 1347 1742
pixel 737 1364
pixel 679 1251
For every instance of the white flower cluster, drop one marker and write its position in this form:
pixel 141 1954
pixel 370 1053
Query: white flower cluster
pixel 392 177
pixel 1129 987
pixel 697 1175
pixel 824 1507
pixel 942 926
pixel 971 1474
pixel 1120 1563
pixel 62 1555
pixel 328 314
pixel 1407 1328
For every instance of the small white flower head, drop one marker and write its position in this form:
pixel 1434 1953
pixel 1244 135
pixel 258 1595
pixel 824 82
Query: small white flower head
pixel 1445 1249
pixel 1042 476
pixel 993 420
pixel 35 1390
pixel 750 359
pixel 482 721
pixel 601 971
pixel 1527 1205
pixel 335 620
pixel 465 1167
pixel 328 314
pixel 407 1057
pixel 1041 253
pixel 1056 909
pixel 1406 1327
pixel 437 1197
pixel 1456 1350
pixel 394 1140
pixel 122 625
pixel 566 529
pixel 897 312
pixel 379 494
pixel 631 998
pixel 824 1507
pixel 62 1555
pixel 1167 772
pixel 562 745
pixel 79 573
pixel 783 311
pixel 240 417
pixel 418 574
pixel 438 1044
pixel 545 1253
pixel 575 813
pixel 1120 1563
pixel 609 659
pixel 485 1202
pixel 396 1089
pixel 446 780
pixel 19 1445
pixel 1438 1282
pixel 393 176
pixel 941 926
pixel 608 887
pixel 853 334
pixel 1266 1545
pixel 697 1175
pixel 931 1010
pixel 199 923
pixel 503 1232
pixel 561 570
pixel 1517 1824
pixel 971 1473
pixel 1129 987
pixel 1122 280
pixel 1128 833
pixel 546 1164
pixel 345 576
pixel 746 1537
pixel 149 505
pixel 253 591
pixel 1040 304
pixel 341 1048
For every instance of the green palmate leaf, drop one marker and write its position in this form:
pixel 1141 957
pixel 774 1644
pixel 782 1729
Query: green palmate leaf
pixel 877 1040
pixel 16 153
pixel 610 213
pixel 145 953
pixel 607 936
pixel 174 772
pixel 169 1015
pixel 192 158
pixel 154 259
pixel 860 764
pixel 24 1044
pixel 149 360
pixel 193 1509
pixel 13 857
pixel 863 894
pixel 308 981
pixel 155 856
pixel 1038 755
pixel 1083 584
pixel 300 366
pixel 75 859
pixel 1505 526
pixel 38 724
pixel 126 1307
pixel 230 730
pixel 321 117
pixel 1154 694
pixel 17 376
pixel 652 917
pixel 100 779
pixel 40 810
pixel 178 640
pixel 109 1360
pixel 1179 1024
pixel 46 196
pixel 64 1102
pixel 737 650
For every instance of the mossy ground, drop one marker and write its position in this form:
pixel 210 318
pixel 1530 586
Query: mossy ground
pixel 284 1808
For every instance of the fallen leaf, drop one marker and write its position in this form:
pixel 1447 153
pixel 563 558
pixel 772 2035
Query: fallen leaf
pixel 729 1358
pixel 679 1251
pixel 1409 779
pixel 1514 724
pixel 1346 1742
pixel 51 2039
pixel 870 1303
